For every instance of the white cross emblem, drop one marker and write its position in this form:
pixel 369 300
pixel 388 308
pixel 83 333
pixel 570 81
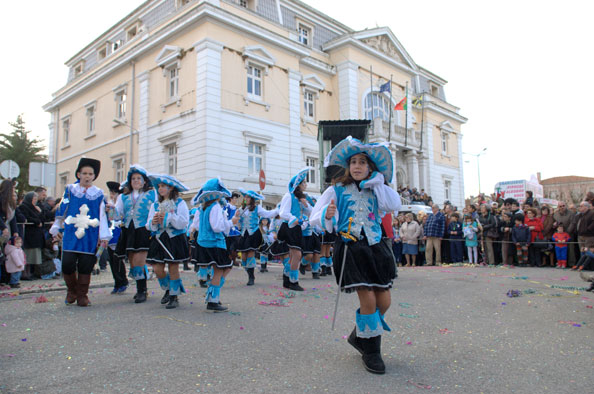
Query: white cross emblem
pixel 82 221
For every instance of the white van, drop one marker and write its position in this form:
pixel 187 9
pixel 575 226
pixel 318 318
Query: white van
pixel 415 209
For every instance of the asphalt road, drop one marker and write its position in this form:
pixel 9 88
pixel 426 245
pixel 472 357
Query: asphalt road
pixel 454 330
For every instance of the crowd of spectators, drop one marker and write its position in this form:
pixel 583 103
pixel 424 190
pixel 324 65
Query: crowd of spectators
pixel 497 231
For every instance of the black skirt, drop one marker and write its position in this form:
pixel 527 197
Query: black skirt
pixel 249 242
pixel 291 236
pixel 279 248
pixel 177 246
pixel 311 244
pixel 328 238
pixel 204 257
pixel 232 243
pixel 133 240
pixel 367 267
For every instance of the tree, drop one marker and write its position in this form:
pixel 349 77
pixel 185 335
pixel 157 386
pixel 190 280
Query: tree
pixel 18 147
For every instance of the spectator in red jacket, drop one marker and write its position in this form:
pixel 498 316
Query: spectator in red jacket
pixel 535 225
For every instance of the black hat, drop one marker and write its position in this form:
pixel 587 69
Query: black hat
pixel 113 186
pixel 85 162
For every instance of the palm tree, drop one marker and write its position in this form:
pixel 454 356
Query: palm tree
pixel 18 147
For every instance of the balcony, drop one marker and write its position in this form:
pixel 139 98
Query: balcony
pixel 380 133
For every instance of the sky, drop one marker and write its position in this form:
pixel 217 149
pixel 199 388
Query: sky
pixel 518 70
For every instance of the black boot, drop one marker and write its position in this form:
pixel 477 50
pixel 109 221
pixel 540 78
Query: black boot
pixel 286 282
pixel 591 287
pixel 140 296
pixel 186 266
pixel 355 341
pixel 216 307
pixel 315 275
pixel 302 269
pixel 173 303
pixel 251 277
pixel 202 283
pixel 165 298
pixel 295 286
pixel 372 356
pixel 329 271
pixel 263 267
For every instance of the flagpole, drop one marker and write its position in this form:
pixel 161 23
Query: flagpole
pixel 406 115
pixel 422 117
pixel 371 93
pixel 390 118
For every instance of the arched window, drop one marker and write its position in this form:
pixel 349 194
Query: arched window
pixel 381 106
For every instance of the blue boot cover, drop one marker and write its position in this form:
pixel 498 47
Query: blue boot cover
pixel 369 326
pixel 222 282
pixel 263 259
pixel 250 262
pixel 323 261
pixel 164 282
pixel 304 262
pixel 176 287
pixel 294 276
pixel 213 294
pixel 202 273
pixel 137 273
pixel 287 267
pixel 328 261
pixel 211 271
pixel 146 271
pixel 384 324
pixel 315 268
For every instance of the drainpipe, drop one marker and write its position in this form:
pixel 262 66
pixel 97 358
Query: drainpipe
pixel 56 135
pixel 132 112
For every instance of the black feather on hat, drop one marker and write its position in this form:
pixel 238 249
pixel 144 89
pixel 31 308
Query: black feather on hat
pixel 86 162
pixel 113 186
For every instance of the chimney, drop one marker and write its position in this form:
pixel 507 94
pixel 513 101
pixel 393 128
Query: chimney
pixel 538 176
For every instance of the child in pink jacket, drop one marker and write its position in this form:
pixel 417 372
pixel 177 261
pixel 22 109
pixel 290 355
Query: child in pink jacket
pixel 15 260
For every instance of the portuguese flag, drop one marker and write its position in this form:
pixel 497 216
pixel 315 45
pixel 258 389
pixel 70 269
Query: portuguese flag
pixel 401 106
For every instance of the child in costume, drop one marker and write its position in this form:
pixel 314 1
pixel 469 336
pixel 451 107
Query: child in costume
pixel 279 249
pixel 311 246
pixel 354 206
pixel 561 238
pixel 521 237
pixel 211 249
pixel 470 230
pixel 118 267
pixel 82 216
pixel 251 239
pixel 168 220
pixel 233 239
pixel 328 239
pixel 266 243
pixel 294 210
pixel 132 208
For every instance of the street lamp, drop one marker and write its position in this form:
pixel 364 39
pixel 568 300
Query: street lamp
pixel 478 166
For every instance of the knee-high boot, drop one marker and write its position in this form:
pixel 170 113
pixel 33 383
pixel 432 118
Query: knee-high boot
pixel 82 289
pixel 71 284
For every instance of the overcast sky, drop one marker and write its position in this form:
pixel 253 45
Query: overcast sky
pixel 519 70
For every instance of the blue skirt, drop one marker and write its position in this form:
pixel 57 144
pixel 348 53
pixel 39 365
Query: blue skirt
pixel 410 249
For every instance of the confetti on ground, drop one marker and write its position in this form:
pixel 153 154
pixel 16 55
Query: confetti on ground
pixel 514 293
pixel 404 304
pixel 24 339
pixel 40 300
pixel 180 321
pixel 326 317
pixel 241 327
pixel 409 316
pixel 274 303
pixel 10 355
pixel 420 385
pixel 409 343
pixel 589 306
pixel 444 331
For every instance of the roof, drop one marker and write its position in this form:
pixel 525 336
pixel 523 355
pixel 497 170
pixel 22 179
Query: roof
pixel 566 179
pixel 337 130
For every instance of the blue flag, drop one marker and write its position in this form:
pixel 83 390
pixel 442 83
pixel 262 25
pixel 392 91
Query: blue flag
pixel 387 87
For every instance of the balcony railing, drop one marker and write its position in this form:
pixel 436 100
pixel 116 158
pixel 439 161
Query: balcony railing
pixel 406 138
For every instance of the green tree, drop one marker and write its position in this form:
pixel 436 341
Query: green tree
pixel 20 148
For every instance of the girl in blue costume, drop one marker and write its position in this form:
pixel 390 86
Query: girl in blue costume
pixel 354 206
pixel 168 220
pixel 294 211
pixel 251 239
pixel 279 249
pixel 132 208
pixel 118 267
pixel 211 249
pixel 311 245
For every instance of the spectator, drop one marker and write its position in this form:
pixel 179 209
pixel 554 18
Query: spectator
pixel 42 203
pixel 434 231
pixel 574 249
pixel 521 238
pixel 470 231
pixel 535 226
pixel 548 229
pixel 529 199
pixel 8 221
pixel 586 262
pixel 34 239
pixel 505 229
pixel 456 239
pixel 561 238
pixel 410 231
pixel 397 241
pixel 490 234
pixel 585 225
pixel 15 260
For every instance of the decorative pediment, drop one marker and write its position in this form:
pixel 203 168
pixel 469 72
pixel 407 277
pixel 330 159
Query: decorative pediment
pixel 384 45
pixel 312 81
pixel 447 126
pixel 259 54
pixel 168 54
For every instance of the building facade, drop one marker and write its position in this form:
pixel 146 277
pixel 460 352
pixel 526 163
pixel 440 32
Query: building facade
pixel 571 189
pixel 206 88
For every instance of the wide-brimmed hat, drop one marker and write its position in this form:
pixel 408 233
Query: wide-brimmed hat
pixel 213 189
pixel 113 186
pixel 379 154
pixel 137 169
pixel 168 180
pixel 86 162
pixel 252 194
pixel 298 178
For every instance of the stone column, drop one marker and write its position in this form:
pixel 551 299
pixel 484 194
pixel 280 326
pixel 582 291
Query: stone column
pixel 413 169
pixel 423 166
pixel 348 101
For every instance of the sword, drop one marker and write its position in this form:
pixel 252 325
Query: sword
pixel 348 236
pixel 164 248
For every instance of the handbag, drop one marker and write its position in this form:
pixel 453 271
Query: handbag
pixel 541 244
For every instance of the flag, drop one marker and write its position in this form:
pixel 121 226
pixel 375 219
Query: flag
pixel 401 106
pixel 386 87
pixel 418 101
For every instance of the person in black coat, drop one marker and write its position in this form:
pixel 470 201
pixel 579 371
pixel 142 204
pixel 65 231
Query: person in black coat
pixel 34 239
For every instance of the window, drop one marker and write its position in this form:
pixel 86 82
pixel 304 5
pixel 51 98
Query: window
pixel 309 104
pixel 120 98
pixel 102 53
pixel 447 189
pixel 181 3
pixel 78 69
pixel 312 175
pixel 132 32
pixel 434 91
pixel 444 143
pixel 381 107
pixel 254 81
pixel 304 34
pixel 66 131
pixel 63 183
pixel 173 81
pixel 255 158
pixel 171 158
pixel 91 120
pixel 116 45
pixel 119 170
pixel 243 3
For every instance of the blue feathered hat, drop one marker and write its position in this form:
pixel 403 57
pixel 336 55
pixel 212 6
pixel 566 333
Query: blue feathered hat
pixel 252 194
pixel 378 153
pixel 297 179
pixel 213 189
pixel 137 169
pixel 157 179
